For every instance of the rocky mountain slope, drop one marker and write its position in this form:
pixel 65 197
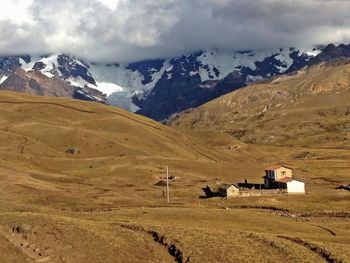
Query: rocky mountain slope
pixel 36 83
pixel 310 107
pixel 161 87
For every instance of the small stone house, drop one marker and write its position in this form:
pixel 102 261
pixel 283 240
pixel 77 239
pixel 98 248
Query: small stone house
pixel 228 190
pixel 281 177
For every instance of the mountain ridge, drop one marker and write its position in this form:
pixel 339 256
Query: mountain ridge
pixel 35 83
pixel 139 86
pixel 308 107
pixel 160 88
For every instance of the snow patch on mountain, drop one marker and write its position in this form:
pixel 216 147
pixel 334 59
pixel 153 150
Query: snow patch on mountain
pixel 218 64
pixel 108 88
pixel 225 62
pixel 122 82
pixel 27 66
pixel 109 79
pixel 79 82
pixel 50 62
pixel 2 79
pixel 123 99
pixel 286 60
pixel 312 53
pixel 252 79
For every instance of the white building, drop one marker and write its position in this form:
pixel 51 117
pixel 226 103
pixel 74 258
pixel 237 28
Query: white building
pixel 292 186
pixel 281 177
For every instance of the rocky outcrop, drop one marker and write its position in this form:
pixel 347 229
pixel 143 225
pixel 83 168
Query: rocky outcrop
pixel 331 52
pixel 10 64
pixel 36 83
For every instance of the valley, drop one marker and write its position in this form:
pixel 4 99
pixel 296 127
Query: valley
pixel 101 202
pixel 175 131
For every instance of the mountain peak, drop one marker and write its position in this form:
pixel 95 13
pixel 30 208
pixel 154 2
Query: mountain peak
pixel 159 88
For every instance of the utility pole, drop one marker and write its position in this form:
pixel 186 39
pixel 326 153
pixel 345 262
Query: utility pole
pixel 167 184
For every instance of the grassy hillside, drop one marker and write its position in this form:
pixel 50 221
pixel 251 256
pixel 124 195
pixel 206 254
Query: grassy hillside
pixel 301 119
pixel 310 108
pixel 116 149
pixel 103 204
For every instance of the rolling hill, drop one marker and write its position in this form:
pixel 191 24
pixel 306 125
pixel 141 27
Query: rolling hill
pixel 82 182
pixel 308 108
pixel 42 137
pixel 300 119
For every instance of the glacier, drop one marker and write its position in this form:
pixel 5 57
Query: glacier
pixel 127 84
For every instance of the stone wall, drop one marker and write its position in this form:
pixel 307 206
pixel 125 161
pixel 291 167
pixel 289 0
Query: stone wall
pixel 257 192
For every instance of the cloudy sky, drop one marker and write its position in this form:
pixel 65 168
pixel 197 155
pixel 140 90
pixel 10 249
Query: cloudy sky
pixel 129 30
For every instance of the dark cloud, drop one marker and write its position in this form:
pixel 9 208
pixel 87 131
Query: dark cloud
pixel 140 29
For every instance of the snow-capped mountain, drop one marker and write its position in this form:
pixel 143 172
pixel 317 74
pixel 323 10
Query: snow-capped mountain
pixel 161 87
pixel 35 83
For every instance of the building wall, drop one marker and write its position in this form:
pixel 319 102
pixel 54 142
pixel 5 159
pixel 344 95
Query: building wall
pixel 296 187
pixel 232 192
pixel 283 172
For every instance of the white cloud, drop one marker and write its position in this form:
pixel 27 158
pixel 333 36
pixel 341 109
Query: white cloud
pixel 126 30
pixel 15 10
pixel 112 4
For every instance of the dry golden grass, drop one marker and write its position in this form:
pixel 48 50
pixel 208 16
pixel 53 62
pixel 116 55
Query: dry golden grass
pixel 102 205
pixel 310 109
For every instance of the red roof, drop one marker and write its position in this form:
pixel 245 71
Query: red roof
pixel 285 180
pixel 273 167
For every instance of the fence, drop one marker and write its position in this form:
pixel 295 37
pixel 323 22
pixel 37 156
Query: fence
pixel 257 192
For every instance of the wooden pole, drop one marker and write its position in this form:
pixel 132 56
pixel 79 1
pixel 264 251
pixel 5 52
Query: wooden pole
pixel 167 184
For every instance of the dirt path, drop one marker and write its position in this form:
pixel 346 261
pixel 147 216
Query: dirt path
pixel 45 103
pixel 138 121
pixel 326 229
